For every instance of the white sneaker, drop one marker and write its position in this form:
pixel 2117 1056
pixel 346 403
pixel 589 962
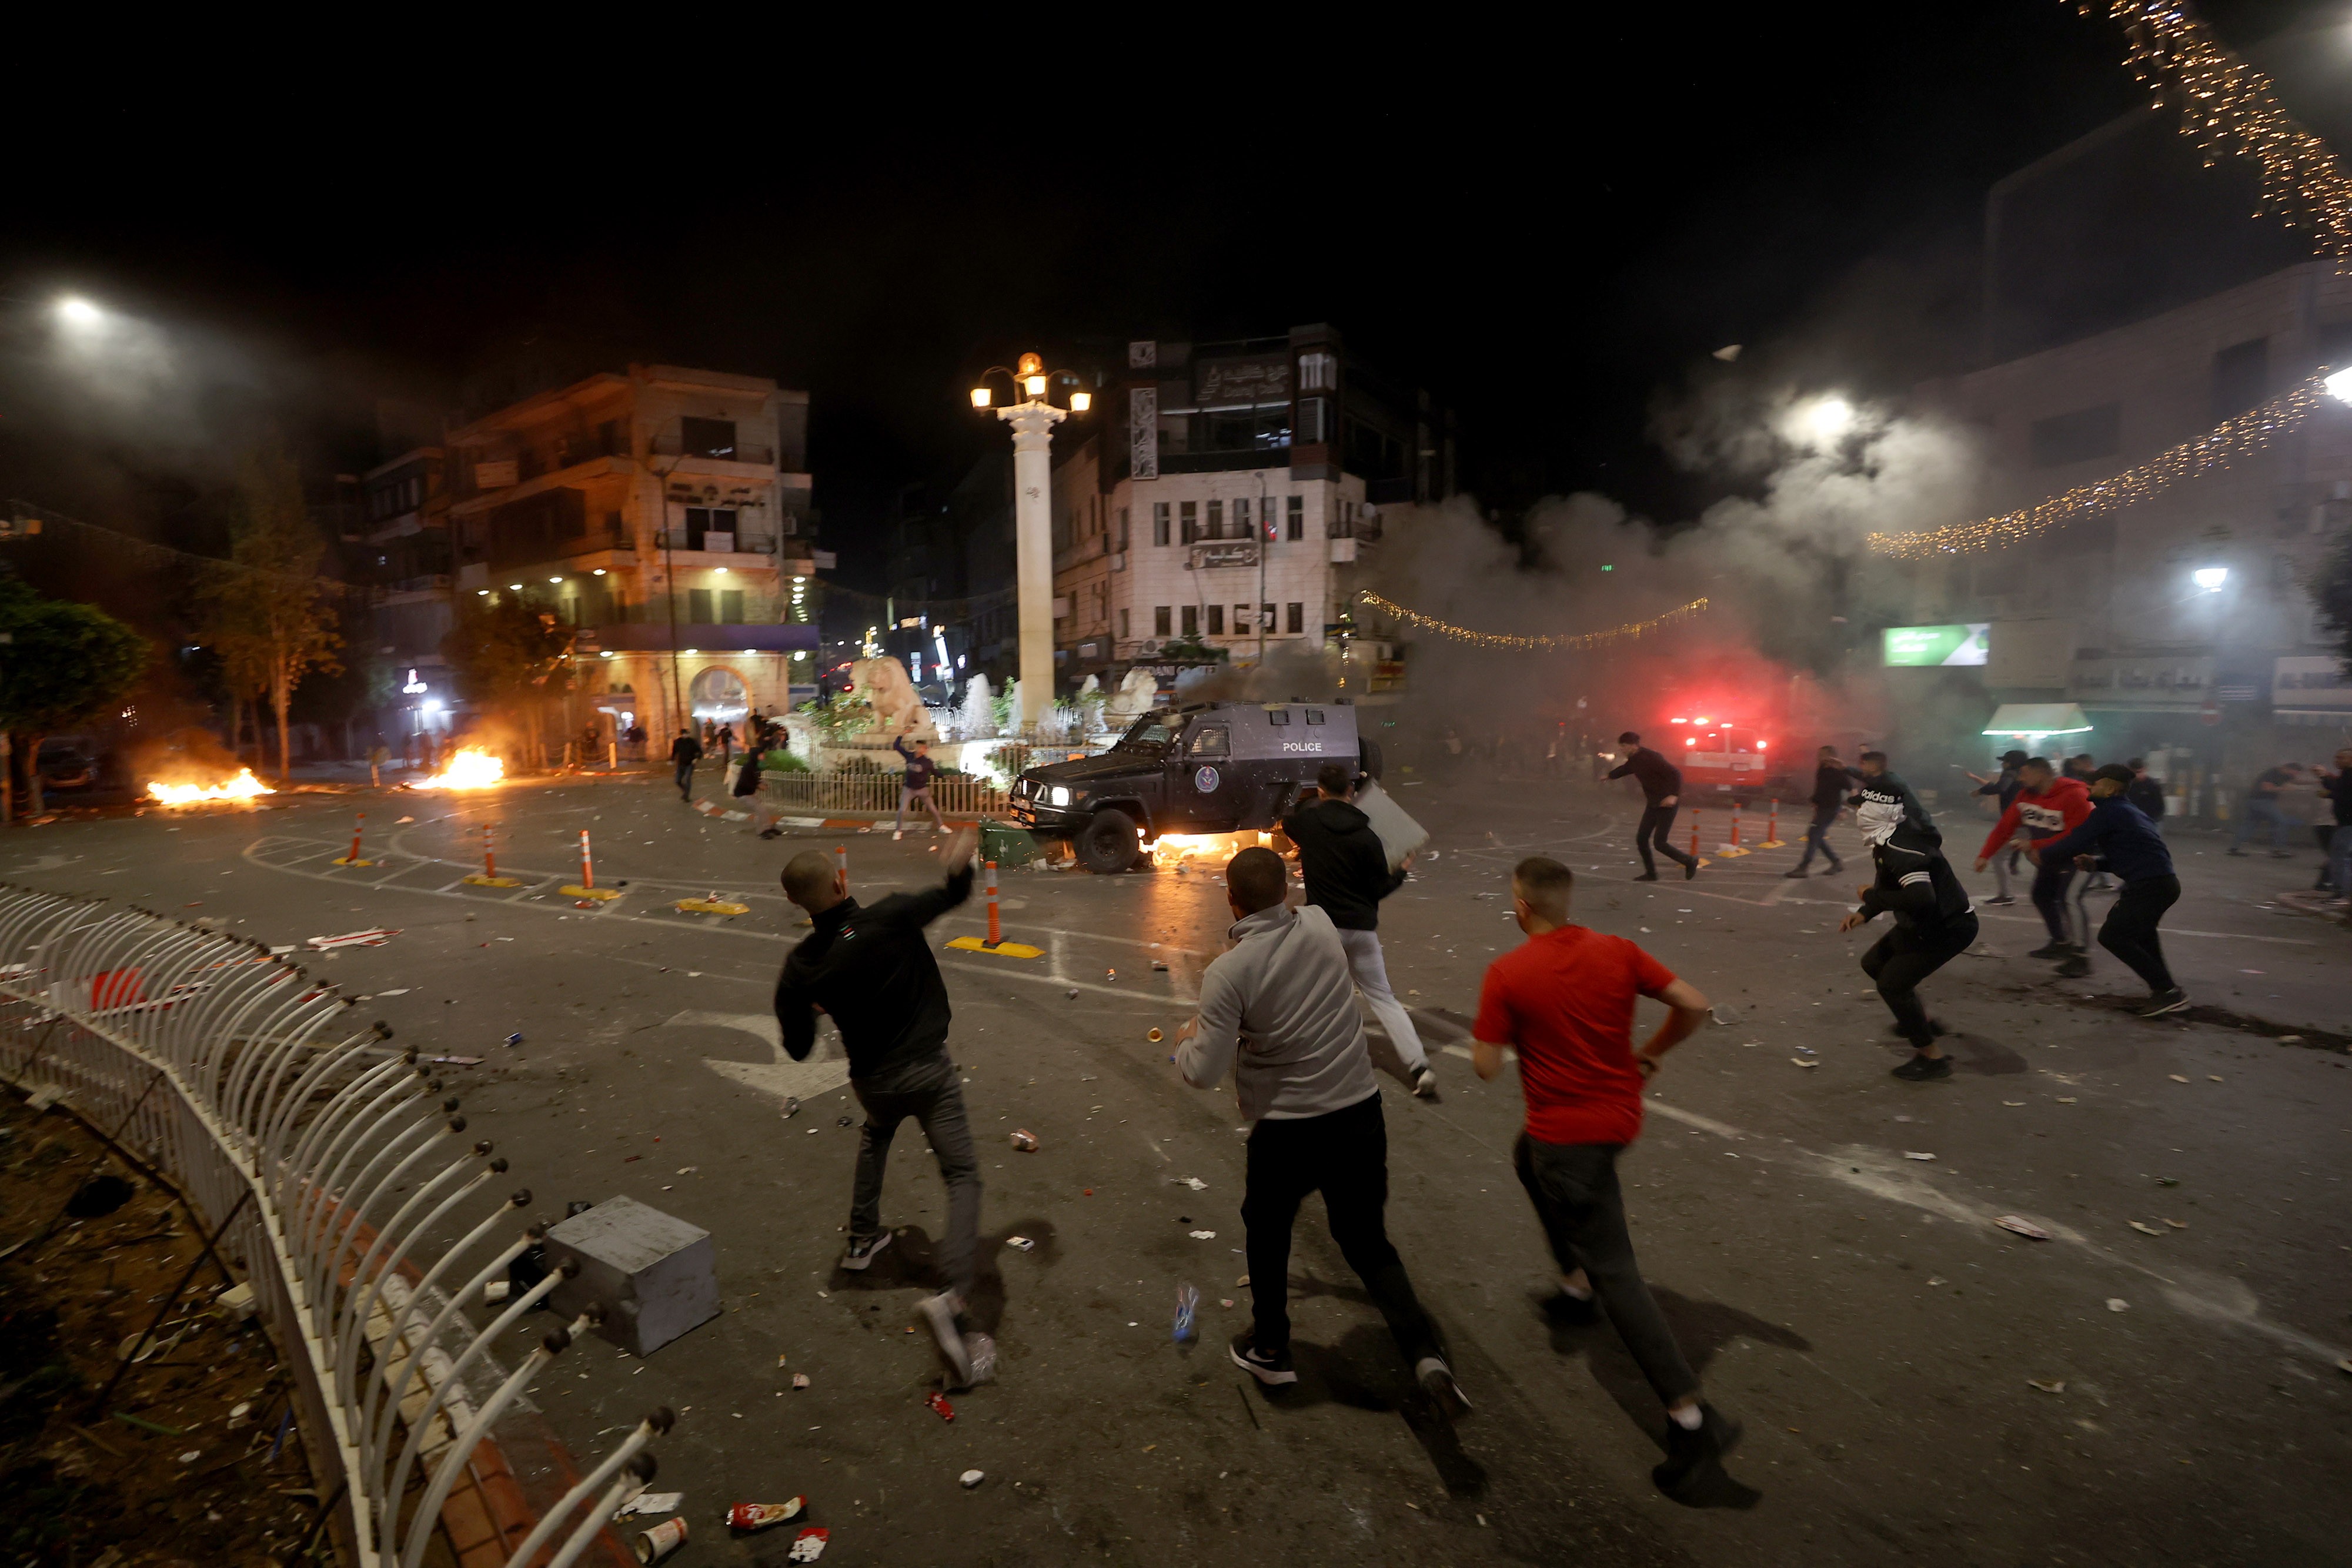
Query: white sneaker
pixel 940 1312
pixel 897 836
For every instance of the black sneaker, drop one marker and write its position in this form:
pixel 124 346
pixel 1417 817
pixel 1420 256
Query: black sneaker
pixel 1837 869
pixel 862 1248
pixel 1269 1370
pixel 1925 1069
pixel 1647 876
pixel 1693 1456
pixel 1431 1372
pixel 1569 1311
pixel 2164 1002
pixel 2002 899
pixel 2074 967
pixel 2049 950
pixel 1690 871
pixel 1801 871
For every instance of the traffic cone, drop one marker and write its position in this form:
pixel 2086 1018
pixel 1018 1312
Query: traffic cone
pixel 353 858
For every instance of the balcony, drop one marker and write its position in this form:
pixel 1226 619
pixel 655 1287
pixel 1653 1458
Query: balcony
pixel 743 454
pixel 715 543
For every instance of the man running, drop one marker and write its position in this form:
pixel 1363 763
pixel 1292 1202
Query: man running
pixel 1347 874
pixel 2119 835
pixel 915 786
pixel 686 751
pixel 1832 782
pixel 1563 1002
pixel 1878 783
pixel 2262 806
pixel 1933 925
pixel 2004 787
pixel 1661 791
pixel 874 971
pixel 2047 807
pixel 1279 1008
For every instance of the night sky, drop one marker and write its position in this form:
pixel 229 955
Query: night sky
pixel 1548 230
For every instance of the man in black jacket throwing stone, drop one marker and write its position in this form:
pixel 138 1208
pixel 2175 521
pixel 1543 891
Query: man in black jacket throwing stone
pixel 1933 922
pixel 873 969
pixel 1347 874
pixel 1662 793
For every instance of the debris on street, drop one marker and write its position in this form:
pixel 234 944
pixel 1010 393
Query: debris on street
pixel 1025 1140
pixel 938 1402
pixel 809 1545
pixel 748 1516
pixel 972 1478
pixel 375 936
pixel 2022 1227
pixel 2055 1386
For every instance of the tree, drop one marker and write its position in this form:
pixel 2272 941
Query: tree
pixel 63 665
pixel 271 616
pixel 504 652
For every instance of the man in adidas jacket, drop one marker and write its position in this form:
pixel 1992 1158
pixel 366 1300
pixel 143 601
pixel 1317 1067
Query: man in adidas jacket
pixel 2047 807
pixel 1933 925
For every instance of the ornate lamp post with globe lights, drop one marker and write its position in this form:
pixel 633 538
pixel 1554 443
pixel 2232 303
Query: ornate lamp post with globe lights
pixel 1032 420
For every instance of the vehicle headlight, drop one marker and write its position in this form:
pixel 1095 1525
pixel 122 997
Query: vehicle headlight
pixel 1061 796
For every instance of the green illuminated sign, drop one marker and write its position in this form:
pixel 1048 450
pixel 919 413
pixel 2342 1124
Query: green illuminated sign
pixel 1915 645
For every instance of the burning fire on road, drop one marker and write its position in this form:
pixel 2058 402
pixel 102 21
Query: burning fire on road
pixel 244 786
pixel 470 768
pixel 1174 849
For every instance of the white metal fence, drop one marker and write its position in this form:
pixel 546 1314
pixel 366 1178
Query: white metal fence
pixel 958 794
pixel 293 1132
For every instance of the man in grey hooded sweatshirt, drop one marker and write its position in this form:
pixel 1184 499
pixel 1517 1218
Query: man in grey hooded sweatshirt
pixel 1279 1008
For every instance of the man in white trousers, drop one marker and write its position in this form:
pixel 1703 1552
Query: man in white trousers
pixel 1348 875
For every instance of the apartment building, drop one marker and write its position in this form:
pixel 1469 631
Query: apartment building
pixel 1229 495
pixel 401 555
pixel 662 513
pixel 2181 626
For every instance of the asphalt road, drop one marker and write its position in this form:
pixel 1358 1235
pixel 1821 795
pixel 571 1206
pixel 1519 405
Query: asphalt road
pixel 1857 1308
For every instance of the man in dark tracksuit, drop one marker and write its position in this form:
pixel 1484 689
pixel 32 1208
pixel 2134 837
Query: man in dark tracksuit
pixel 1661 791
pixel 1347 874
pixel 1832 782
pixel 872 969
pixel 1874 775
pixel 1933 925
pixel 686 751
pixel 2118 837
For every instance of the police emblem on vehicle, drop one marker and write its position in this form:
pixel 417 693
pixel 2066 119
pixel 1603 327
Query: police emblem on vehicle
pixel 1204 780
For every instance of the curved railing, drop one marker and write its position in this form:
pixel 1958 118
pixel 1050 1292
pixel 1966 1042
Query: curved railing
pixel 332 1165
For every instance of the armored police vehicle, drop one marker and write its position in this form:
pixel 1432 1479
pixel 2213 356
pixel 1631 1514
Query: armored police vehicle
pixel 1206 768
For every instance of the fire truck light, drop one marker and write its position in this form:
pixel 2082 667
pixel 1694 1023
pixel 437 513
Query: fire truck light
pixel 1702 719
pixel 1682 721
pixel 1760 746
pixel 1690 740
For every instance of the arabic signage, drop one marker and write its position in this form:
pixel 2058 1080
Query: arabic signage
pixel 1918 645
pixel 1235 552
pixel 1247 383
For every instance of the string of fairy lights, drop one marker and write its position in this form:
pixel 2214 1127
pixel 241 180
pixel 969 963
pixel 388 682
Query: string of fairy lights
pixel 2210 453
pixel 2227 106
pixel 2228 109
pixel 1511 642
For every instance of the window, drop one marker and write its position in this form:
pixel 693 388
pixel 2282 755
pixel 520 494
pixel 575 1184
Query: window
pixel 698 606
pixel 1241 518
pixel 706 437
pixel 731 607
pixel 1314 420
pixel 1296 614
pixel 1160 621
pixel 1122 623
pixel 1216 620
pixel 1216 529
pixel 1277 716
pixel 1188 515
pixel 2241 376
pixel 1266 617
pixel 1160 522
pixel 2079 436
pixel 1297 514
pixel 1191 620
pixel 703 521
pixel 1122 529
pixel 1315 715
pixel 1211 740
pixel 1318 371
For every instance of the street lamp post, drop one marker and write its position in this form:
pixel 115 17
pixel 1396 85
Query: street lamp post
pixel 1032 420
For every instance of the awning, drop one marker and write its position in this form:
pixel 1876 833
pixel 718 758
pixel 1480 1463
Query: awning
pixel 2037 719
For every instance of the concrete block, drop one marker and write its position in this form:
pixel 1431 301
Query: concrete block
pixel 654 1274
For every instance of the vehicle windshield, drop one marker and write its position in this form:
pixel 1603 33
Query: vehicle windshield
pixel 1153 732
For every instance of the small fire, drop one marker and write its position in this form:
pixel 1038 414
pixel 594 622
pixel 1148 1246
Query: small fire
pixel 244 786
pixel 1174 849
pixel 471 769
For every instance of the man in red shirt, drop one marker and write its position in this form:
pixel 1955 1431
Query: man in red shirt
pixel 2049 805
pixel 1564 1002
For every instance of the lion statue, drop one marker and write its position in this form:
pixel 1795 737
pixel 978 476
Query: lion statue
pixel 884 685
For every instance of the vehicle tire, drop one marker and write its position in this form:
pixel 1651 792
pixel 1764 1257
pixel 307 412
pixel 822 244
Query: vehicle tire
pixel 1109 843
pixel 1368 758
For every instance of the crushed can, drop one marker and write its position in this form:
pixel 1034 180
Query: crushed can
pixel 1188 1302
pixel 663 1539
pixel 760 1515
pixel 1025 1141
pixel 938 1402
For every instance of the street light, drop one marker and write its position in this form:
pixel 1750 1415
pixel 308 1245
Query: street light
pixel 2339 385
pixel 1032 420
pixel 76 311
pixel 2210 578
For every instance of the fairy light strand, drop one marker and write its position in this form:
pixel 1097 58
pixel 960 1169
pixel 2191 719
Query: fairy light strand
pixel 2210 453
pixel 2229 107
pixel 1554 642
